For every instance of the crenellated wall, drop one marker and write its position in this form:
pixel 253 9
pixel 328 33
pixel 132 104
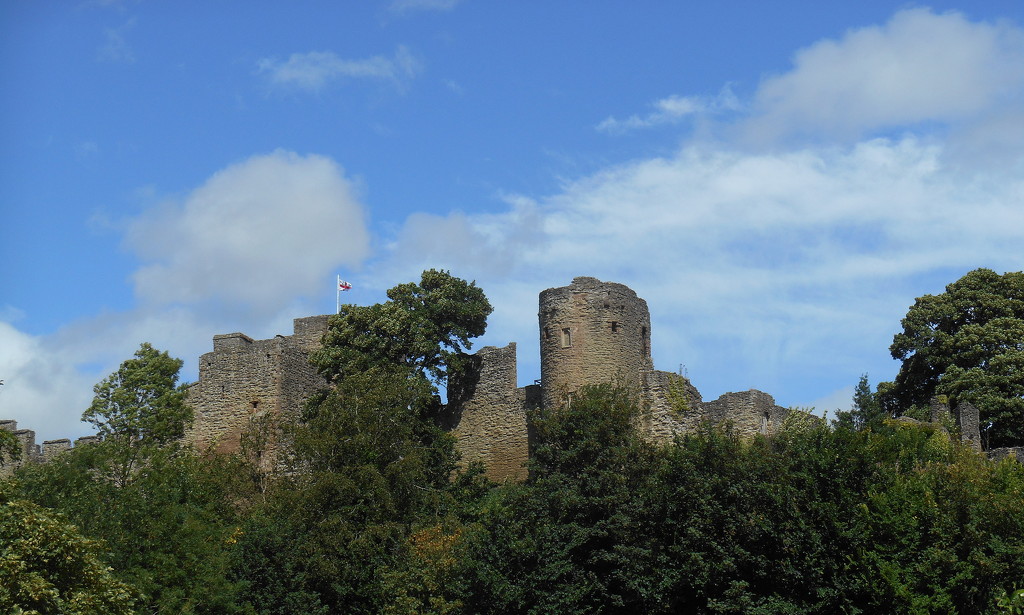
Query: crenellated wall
pixel 36 453
pixel 243 379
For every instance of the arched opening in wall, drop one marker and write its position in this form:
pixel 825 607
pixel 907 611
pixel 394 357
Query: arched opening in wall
pixel 255 406
pixel 766 423
pixel 547 333
pixel 566 338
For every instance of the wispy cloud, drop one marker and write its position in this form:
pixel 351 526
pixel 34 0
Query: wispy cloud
pixel 115 47
pixel 672 110
pixel 758 268
pixel 314 70
pixel 402 7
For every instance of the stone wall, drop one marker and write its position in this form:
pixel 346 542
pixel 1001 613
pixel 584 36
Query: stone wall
pixel 245 378
pixel 591 332
pixel 674 406
pixel 36 453
pixel 488 417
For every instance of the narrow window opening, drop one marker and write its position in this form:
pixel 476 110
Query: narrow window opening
pixel 547 333
pixel 615 327
pixel 566 338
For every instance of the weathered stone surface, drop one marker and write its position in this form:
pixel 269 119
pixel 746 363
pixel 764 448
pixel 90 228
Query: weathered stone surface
pixel 967 420
pixel 591 332
pixel 490 420
pixel 244 378
pixel 1014 452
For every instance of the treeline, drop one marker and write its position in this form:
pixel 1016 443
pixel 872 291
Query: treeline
pixel 894 519
pixel 366 510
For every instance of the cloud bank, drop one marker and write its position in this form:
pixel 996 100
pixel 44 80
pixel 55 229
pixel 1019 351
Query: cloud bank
pixel 782 253
pixel 240 252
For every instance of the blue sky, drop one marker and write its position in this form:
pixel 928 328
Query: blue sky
pixel 779 180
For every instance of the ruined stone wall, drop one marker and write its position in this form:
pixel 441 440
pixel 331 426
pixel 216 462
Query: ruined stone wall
pixel 36 453
pixel 244 378
pixel 592 332
pixel 489 417
pixel 674 406
pixel 749 412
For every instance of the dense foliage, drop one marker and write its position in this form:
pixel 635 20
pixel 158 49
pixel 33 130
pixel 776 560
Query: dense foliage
pixel 369 511
pixel 968 344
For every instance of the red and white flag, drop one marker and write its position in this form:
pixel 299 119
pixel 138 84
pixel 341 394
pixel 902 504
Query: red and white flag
pixel 343 285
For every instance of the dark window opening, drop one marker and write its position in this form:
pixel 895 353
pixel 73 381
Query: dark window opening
pixel 615 327
pixel 566 338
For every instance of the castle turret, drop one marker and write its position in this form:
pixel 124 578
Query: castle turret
pixel 592 332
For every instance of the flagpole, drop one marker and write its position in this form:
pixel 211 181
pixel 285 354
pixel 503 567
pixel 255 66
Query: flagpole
pixel 337 289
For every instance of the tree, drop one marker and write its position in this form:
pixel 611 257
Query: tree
pixel 138 410
pixel 424 327
pixel 867 410
pixel 46 566
pixel 141 400
pixel 966 343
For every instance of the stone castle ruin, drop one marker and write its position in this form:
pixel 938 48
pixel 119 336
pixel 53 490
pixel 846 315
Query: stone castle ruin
pixel 591 332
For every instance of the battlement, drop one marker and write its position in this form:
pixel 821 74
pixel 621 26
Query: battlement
pixel 36 453
pixel 243 379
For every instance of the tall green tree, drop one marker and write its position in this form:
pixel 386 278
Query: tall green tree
pixel 139 410
pixel 966 343
pixel 423 327
pixel 141 401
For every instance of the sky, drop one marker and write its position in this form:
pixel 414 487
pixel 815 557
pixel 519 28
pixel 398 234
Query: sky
pixel 779 180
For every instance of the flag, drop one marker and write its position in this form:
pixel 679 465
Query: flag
pixel 343 285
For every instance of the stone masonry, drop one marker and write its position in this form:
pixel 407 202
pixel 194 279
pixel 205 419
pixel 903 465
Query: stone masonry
pixel 244 379
pixel 591 332
pixel 36 453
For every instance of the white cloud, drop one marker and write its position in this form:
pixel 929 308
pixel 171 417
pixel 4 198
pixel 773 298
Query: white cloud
pixel 671 110
pixel 314 70
pixel 763 270
pixel 42 389
pixel 239 253
pixel 918 67
pixel 402 7
pixel 256 234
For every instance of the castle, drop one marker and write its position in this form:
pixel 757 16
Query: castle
pixel 591 332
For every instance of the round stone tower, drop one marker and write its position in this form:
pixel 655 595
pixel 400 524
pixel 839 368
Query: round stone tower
pixel 591 332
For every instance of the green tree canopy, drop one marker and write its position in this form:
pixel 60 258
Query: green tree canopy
pixel 46 566
pixel 141 400
pixel 425 327
pixel 139 410
pixel 967 343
